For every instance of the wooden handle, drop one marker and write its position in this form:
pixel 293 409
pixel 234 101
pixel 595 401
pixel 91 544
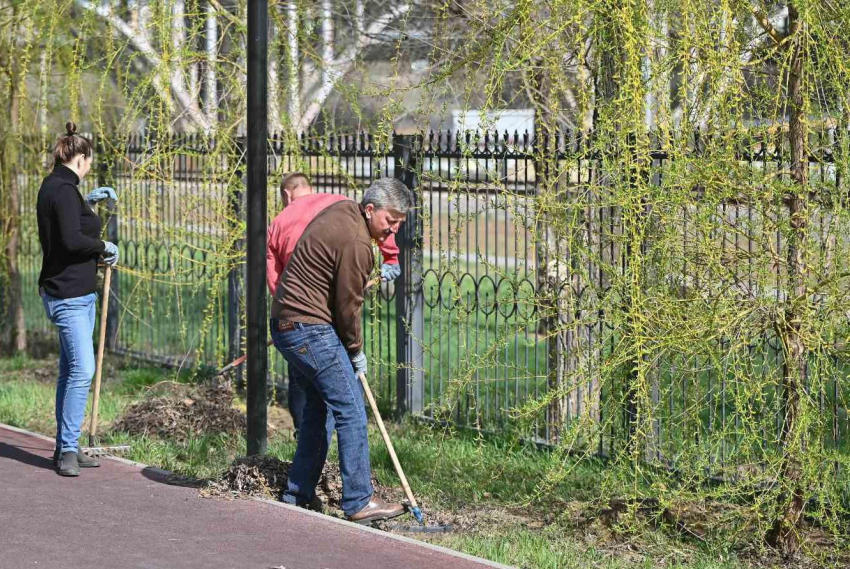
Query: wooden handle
pixel 104 307
pixel 387 441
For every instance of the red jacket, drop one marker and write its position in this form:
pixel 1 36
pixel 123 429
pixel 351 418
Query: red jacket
pixel 286 229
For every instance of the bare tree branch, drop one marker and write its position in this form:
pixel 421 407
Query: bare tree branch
pixel 140 41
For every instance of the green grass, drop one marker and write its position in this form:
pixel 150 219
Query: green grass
pixel 550 549
pixel 451 471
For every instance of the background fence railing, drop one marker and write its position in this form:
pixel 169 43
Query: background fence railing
pixel 478 327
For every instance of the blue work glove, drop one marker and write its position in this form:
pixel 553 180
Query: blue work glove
pixel 358 362
pixel 390 272
pixel 101 194
pixel 110 253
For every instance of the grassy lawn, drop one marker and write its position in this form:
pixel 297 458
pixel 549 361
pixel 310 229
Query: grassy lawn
pixel 490 481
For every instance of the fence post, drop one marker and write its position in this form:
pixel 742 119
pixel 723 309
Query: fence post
pixel 104 178
pixel 235 276
pixel 410 318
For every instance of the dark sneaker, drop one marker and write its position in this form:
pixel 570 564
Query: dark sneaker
pixel 376 510
pixel 316 504
pixel 86 461
pixel 83 460
pixel 68 465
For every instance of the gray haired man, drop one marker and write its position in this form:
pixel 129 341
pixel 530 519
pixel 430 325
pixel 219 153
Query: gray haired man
pixel 316 326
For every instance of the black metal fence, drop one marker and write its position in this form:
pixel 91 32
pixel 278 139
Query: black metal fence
pixel 463 334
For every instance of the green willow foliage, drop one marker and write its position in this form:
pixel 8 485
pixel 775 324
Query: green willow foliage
pixel 690 242
pixel 719 271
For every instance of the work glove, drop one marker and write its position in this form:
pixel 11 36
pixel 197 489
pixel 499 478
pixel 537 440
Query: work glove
pixel 358 362
pixel 110 253
pixel 390 272
pixel 101 194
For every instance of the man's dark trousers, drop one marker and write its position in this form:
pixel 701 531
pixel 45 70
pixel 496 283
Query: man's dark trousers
pixel 327 378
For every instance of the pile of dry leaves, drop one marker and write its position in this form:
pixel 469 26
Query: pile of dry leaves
pixel 266 476
pixel 182 415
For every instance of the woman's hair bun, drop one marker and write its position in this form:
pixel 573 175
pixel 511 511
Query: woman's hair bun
pixel 71 127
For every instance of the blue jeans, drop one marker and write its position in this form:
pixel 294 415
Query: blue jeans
pixel 324 372
pixel 74 318
pixel 296 399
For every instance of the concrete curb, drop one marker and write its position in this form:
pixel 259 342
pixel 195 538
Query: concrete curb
pixel 302 511
pixel 401 538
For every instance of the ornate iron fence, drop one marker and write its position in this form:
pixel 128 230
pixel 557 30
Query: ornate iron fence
pixel 478 327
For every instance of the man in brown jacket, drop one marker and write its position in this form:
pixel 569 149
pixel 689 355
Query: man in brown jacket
pixel 316 326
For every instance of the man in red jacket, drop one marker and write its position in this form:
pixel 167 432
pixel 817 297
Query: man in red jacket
pixel 300 206
pixel 316 324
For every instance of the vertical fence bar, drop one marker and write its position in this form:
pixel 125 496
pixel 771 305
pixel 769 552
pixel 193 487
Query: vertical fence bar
pixel 235 277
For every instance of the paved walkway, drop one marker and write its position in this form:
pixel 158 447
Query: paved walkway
pixel 123 515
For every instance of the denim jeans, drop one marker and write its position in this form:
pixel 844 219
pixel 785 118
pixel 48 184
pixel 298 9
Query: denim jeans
pixel 74 318
pixel 324 372
pixel 296 399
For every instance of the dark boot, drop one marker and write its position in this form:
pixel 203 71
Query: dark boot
pixel 315 505
pixel 68 465
pixel 83 460
pixel 86 461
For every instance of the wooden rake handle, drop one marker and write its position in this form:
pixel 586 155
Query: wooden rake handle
pixel 104 308
pixel 404 484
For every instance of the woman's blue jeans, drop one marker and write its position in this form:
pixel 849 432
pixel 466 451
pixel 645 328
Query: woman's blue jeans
pixel 74 318
pixel 324 372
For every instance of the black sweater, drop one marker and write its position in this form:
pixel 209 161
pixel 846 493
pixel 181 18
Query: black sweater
pixel 69 232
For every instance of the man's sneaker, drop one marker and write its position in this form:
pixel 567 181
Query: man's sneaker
pixel 83 460
pixel 68 465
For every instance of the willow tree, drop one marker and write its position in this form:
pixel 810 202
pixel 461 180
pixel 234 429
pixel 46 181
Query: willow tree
pixel 721 273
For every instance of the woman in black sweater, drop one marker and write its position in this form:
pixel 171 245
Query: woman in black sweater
pixel 69 232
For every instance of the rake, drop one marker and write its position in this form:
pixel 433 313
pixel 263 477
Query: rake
pixel 104 307
pixel 414 507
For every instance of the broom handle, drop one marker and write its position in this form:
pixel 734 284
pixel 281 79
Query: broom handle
pixel 104 307
pixel 387 441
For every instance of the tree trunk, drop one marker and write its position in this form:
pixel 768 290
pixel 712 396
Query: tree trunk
pixel 293 64
pixel 211 46
pixel 8 169
pixel 784 535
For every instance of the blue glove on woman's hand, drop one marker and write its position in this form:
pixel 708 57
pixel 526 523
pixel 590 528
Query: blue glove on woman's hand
pixel 390 272
pixel 110 254
pixel 101 194
pixel 358 361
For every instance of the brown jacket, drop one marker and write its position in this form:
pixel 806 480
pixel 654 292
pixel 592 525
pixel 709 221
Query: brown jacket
pixel 325 277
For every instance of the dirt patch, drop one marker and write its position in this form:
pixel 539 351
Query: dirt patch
pixel 188 412
pixel 279 420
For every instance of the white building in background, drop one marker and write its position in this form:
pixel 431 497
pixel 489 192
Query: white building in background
pixel 501 120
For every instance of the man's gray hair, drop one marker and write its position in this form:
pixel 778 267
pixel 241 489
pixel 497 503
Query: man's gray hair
pixel 388 193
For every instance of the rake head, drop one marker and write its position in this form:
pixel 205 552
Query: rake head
pixel 105 451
